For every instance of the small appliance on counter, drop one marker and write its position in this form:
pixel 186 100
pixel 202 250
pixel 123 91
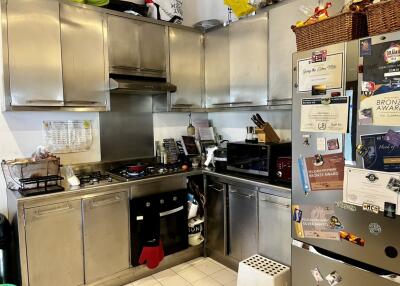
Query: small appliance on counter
pixel 284 169
pixel 220 159
pixel 256 159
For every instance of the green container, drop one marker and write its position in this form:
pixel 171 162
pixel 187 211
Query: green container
pixel 81 2
pixel 98 3
pixel 7 285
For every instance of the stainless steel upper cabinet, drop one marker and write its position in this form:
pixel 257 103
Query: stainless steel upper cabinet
pixel 248 41
pixel 106 235
pixel 186 68
pixel 34 53
pixel 217 73
pixel 153 46
pixel 136 48
pixel 54 246
pixel 85 71
pixel 123 43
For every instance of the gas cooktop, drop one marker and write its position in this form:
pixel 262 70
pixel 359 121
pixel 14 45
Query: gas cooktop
pixel 141 171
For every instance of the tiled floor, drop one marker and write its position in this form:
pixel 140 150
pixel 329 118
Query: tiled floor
pixel 198 272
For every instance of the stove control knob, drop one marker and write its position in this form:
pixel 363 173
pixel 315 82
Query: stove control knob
pixel 279 174
pixel 109 179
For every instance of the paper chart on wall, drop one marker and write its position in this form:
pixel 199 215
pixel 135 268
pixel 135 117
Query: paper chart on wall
pixel 68 136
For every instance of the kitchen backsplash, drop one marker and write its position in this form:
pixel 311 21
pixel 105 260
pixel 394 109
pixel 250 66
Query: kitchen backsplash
pixel 231 125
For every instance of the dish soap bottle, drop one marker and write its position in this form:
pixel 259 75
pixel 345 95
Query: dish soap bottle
pixel 191 130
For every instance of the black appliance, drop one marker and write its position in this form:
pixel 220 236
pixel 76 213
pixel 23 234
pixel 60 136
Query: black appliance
pixel 161 217
pixel 220 159
pixel 256 158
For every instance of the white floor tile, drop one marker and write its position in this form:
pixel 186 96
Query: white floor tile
pixel 181 267
pixel 224 276
pixel 208 266
pixel 160 276
pixel 175 280
pixel 192 274
pixel 148 281
pixel 197 260
pixel 232 283
pixel 207 281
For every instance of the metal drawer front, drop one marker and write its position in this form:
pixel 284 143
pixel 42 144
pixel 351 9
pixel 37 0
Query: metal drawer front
pixel 54 244
pixel 274 227
pixel 106 235
pixel 243 225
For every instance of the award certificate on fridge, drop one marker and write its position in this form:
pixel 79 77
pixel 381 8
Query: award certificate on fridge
pixel 363 186
pixel 325 114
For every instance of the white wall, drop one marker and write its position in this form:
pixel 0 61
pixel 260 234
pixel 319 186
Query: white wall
pixel 232 125
pixel 21 133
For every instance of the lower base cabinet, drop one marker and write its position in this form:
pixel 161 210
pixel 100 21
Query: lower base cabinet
pixel 106 235
pixel 274 227
pixel 54 245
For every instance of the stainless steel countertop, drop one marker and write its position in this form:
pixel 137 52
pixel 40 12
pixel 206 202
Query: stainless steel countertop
pixel 117 186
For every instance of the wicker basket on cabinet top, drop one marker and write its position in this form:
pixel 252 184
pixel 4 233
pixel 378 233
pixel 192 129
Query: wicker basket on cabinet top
pixel 383 17
pixel 340 28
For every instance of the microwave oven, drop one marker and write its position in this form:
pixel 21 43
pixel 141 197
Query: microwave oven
pixel 257 159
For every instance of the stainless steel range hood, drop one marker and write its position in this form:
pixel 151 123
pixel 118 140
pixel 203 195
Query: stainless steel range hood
pixel 148 86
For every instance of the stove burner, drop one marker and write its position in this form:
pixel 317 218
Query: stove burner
pixel 93 178
pixel 129 173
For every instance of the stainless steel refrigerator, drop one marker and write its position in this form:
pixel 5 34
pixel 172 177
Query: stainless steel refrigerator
pixel 340 73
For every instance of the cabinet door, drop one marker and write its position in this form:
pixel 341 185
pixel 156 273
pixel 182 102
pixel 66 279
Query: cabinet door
pixel 248 40
pixel 153 57
pixel 34 53
pixel 217 75
pixel 216 217
pixel 243 233
pixel 106 235
pixel 54 244
pixel 123 44
pixel 83 57
pixel 186 68
pixel 274 227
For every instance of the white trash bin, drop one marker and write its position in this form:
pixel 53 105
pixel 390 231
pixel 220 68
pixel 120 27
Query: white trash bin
pixel 260 271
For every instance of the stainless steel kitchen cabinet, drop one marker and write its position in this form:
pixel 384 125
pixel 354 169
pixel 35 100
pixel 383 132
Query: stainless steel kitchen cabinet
pixel 85 71
pixel 274 227
pixel 54 244
pixel 216 240
pixel 243 221
pixel 136 48
pixel 106 235
pixel 217 68
pixel 186 68
pixel 248 43
pixel 34 53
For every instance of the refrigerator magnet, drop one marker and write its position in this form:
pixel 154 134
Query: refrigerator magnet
pixel 393 138
pixel 370 208
pixel 365 47
pixel 394 184
pixel 390 210
pixel 335 223
pixel 352 238
pixel 346 206
pixel 333 278
pixel 374 228
pixel 317 275
pixel 297 214
pixel 333 144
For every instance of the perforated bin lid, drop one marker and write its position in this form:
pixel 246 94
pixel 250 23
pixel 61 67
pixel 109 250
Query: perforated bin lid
pixel 265 265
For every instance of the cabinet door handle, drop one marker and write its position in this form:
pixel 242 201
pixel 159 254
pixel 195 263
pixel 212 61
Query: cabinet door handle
pixel 105 202
pixel 82 102
pixel 58 209
pixel 215 188
pixel 44 101
pixel 126 68
pixel 276 204
pixel 181 105
pixel 242 195
pixel 233 103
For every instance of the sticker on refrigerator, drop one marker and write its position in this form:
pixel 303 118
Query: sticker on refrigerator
pixel 333 144
pixel 380 105
pixel 316 222
pixel 321 141
pixel 374 228
pixel 393 138
pixel 382 155
pixel 362 187
pixel 370 208
pixel 328 72
pixel 333 278
pixel 346 206
pixel 365 47
pixel 350 237
pixel 329 115
pixel 389 210
pixel 325 172
pixel 318 57
pixel 317 275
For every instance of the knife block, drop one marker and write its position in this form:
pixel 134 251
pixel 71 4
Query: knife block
pixel 267 134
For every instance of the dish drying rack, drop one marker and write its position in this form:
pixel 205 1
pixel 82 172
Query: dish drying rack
pixel 30 177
